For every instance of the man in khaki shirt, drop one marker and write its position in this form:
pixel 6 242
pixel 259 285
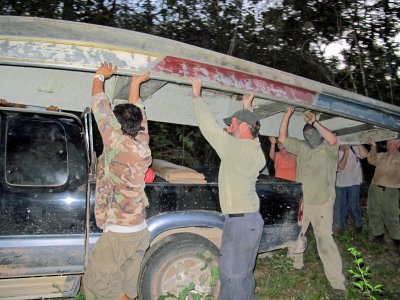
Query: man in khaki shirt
pixel 383 193
pixel 242 159
pixel 316 169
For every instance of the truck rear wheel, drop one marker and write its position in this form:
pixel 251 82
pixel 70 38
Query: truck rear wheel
pixel 177 261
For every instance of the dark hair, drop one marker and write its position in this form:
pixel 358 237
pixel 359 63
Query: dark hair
pixel 130 117
pixel 255 129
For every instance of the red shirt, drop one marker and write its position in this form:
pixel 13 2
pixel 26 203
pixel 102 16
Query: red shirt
pixel 285 166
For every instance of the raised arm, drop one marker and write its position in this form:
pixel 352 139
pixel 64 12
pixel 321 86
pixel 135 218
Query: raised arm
pixel 248 100
pixel 323 131
pixel 272 139
pixel 105 71
pixel 283 129
pixel 134 94
pixel 134 98
pixel 343 161
pixel 196 86
pixel 372 155
pixel 362 150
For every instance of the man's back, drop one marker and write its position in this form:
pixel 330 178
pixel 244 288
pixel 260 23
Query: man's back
pixel 120 196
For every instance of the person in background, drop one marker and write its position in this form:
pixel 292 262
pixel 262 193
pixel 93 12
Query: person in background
pixel 4 102
pixel 383 193
pixel 317 159
pixel 114 262
pixel 348 182
pixel 284 162
pixel 242 159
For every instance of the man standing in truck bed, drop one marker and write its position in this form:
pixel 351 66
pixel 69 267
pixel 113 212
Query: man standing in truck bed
pixel 114 263
pixel 241 161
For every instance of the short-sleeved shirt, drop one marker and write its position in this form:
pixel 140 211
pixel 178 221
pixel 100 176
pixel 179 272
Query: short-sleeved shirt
pixel 285 167
pixel 120 196
pixel 241 163
pixel 352 172
pixel 316 170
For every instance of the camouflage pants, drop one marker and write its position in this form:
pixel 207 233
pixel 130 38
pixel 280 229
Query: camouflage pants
pixel 114 265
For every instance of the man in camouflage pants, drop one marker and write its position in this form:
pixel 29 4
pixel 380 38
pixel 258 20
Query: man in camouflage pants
pixel 114 263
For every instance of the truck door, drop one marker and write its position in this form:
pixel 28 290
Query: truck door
pixel 92 232
pixel 43 177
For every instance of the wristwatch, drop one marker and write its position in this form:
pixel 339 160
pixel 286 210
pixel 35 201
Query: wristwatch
pixel 99 76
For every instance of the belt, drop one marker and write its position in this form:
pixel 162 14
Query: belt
pixel 107 227
pixel 382 187
pixel 235 215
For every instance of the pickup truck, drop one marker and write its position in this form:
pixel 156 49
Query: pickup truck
pixel 47 224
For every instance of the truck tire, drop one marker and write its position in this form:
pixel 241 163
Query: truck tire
pixel 175 262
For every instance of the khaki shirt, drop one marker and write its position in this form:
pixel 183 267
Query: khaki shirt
pixel 387 171
pixel 241 162
pixel 316 170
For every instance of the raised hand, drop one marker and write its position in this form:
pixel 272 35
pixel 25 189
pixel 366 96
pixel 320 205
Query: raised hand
pixel 248 100
pixel 370 141
pixel 107 70
pixel 309 117
pixel 289 111
pixel 272 139
pixel 140 78
pixel 196 86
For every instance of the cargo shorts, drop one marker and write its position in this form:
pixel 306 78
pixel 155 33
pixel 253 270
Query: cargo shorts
pixel 114 265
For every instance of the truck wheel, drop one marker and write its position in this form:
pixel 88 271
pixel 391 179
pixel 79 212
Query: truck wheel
pixel 174 263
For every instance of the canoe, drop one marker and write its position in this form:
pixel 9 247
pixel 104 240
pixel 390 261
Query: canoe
pixel 47 61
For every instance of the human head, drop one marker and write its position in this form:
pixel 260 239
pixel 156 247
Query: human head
pixel 393 145
pixel 312 136
pixel 241 118
pixel 130 117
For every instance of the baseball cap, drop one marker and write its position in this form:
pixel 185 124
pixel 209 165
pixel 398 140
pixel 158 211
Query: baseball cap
pixel 244 115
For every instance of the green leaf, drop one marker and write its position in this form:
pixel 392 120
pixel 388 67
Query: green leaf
pixel 196 296
pixel 369 285
pixel 185 291
pixel 359 284
pixel 166 297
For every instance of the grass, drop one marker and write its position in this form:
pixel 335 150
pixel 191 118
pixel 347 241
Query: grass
pixel 276 279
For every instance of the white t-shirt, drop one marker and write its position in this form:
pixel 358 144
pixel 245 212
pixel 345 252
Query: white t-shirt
pixel 352 173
